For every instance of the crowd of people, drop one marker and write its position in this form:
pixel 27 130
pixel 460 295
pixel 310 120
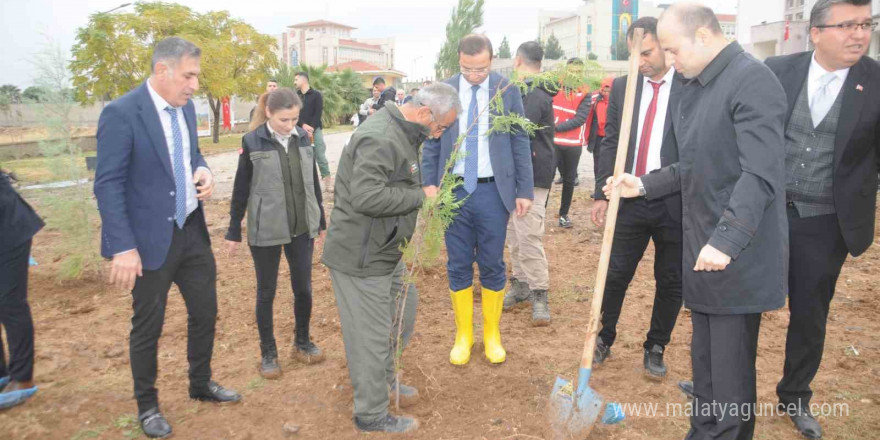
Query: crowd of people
pixel 753 180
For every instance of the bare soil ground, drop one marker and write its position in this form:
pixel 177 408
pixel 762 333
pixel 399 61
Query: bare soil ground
pixel 83 371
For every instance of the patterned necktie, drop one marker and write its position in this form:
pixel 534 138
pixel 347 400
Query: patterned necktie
pixel 645 141
pixel 179 170
pixel 822 99
pixel 472 145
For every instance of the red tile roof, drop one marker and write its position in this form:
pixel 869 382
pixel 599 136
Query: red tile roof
pixel 318 23
pixel 726 18
pixel 353 43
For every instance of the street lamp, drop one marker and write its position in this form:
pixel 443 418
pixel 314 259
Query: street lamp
pixel 118 7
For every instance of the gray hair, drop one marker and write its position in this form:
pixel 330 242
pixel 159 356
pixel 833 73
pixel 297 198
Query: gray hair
pixel 819 14
pixel 441 98
pixel 173 49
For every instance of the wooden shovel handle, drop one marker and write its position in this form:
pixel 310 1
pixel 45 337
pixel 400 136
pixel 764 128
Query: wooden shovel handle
pixel 614 203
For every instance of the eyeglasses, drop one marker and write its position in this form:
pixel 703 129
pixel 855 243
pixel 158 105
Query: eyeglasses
pixel 851 26
pixel 434 120
pixel 467 71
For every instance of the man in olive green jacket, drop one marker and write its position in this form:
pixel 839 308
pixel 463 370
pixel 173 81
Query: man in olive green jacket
pixel 377 196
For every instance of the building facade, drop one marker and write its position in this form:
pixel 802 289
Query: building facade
pixel 597 27
pixel 792 35
pixel 323 42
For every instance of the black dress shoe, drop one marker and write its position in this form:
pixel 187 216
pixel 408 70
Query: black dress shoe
pixel 154 425
pixel 601 352
pixel 687 387
pixel 391 424
pixel 804 422
pixel 213 392
pixel 654 366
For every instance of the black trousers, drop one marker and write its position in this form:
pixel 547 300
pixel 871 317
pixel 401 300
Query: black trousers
pixel 15 314
pixel 723 352
pixel 567 160
pixel 266 261
pixel 596 145
pixel 189 264
pixel 817 253
pixel 638 222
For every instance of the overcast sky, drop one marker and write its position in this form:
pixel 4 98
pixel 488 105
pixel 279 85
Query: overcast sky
pixel 418 26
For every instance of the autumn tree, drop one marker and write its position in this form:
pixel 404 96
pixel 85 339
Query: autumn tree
pixel 235 60
pixel 112 54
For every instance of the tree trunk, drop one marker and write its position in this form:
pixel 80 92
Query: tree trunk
pixel 215 125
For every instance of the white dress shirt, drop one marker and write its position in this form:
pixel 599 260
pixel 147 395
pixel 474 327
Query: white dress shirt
pixel 283 140
pixel 464 94
pixel 655 144
pixel 816 72
pixel 191 201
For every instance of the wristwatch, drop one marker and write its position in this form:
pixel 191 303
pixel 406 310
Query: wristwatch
pixel 641 188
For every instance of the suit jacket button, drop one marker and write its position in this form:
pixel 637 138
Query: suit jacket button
pixel 171 193
pixel 723 228
pixel 170 219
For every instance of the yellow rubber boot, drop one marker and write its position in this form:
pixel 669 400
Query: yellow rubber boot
pixel 463 306
pixel 492 304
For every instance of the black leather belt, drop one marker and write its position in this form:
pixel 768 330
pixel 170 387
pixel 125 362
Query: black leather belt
pixel 479 179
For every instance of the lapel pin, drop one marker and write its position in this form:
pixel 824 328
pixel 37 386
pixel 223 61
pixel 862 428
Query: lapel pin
pixel 859 87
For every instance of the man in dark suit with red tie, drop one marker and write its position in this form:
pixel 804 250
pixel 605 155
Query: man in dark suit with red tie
pixel 651 146
pixel 832 146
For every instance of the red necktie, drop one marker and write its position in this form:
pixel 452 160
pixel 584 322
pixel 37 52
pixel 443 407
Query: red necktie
pixel 645 141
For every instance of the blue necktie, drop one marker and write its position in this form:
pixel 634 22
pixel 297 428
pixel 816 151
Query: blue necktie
pixel 472 145
pixel 179 170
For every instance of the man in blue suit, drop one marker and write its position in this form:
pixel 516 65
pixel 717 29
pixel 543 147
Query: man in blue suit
pixel 497 179
pixel 150 182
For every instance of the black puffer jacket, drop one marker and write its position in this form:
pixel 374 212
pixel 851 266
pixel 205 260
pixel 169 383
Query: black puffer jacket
pixel 538 105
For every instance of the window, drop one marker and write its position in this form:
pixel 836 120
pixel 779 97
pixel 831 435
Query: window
pixel 294 57
pixel 589 29
pixel 324 55
pixel 799 16
pixel 788 17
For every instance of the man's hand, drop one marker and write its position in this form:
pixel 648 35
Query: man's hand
pixel 204 181
pixel 598 214
pixel 522 207
pixel 430 191
pixel 125 268
pixel 629 186
pixel 231 248
pixel 711 260
pixel 309 129
pixel 372 110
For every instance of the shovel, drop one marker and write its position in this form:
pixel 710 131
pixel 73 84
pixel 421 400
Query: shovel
pixel 572 412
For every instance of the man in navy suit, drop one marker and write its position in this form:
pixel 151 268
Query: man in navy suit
pixel 496 171
pixel 150 182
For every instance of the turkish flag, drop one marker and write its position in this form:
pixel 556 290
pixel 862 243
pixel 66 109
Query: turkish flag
pixel 227 119
pixel 785 37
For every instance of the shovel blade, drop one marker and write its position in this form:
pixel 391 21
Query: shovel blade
pixel 573 412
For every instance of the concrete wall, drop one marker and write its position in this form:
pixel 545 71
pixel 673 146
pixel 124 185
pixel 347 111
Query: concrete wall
pixel 32 115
